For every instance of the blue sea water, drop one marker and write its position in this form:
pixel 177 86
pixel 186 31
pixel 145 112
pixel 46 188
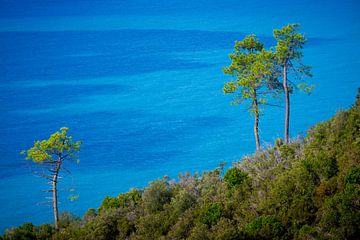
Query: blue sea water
pixel 140 83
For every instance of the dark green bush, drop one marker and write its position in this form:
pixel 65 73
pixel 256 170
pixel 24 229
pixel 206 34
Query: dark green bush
pixel 212 213
pixel 66 218
pixel 156 195
pixel 234 177
pixel 29 231
pixel 225 229
pixel 110 202
pixel 353 177
pixel 199 232
pixel 89 215
pixel 307 232
pixel 265 227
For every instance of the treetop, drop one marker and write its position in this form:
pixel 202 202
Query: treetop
pixel 289 42
pixel 250 43
pixel 58 146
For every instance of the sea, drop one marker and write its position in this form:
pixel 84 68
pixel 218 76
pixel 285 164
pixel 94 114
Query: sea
pixel 140 83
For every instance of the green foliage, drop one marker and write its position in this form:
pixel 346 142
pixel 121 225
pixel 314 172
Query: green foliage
pixel 340 215
pixel 29 231
pixel 225 229
pixel 25 231
pixel 184 224
pixel 104 226
pixel 123 200
pixel 211 214
pixel 264 227
pixel 156 195
pixel 199 232
pixel 288 54
pixel 89 216
pixel 109 202
pixel 67 218
pixel 292 196
pixel 130 198
pixel 153 226
pixel 289 42
pixel 58 145
pixel 255 77
pixel 252 66
pixel 182 201
pixel 234 177
pixel 353 177
pixel 307 232
pixel 50 154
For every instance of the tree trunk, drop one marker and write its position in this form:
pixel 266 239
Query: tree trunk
pixel 256 122
pixel 287 105
pixel 54 190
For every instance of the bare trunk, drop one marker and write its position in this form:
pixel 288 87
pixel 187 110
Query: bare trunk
pixel 287 105
pixel 54 190
pixel 256 122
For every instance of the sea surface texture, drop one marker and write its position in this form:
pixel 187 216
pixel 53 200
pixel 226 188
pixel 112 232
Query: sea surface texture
pixel 139 82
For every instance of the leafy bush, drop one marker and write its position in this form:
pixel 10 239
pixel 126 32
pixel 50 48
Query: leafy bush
pixel 234 177
pixel 104 226
pixel 225 229
pixel 110 202
pixel 264 227
pixel 307 232
pixel 340 215
pixel 89 215
pixel 353 177
pixel 199 232
pixel 212 213
pixel 156 195
pixel 182 201
pixel 67 218
pixel 23 232
pixel 29 231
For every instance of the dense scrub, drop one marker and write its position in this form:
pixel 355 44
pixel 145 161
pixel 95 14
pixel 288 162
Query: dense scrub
pixel 308 189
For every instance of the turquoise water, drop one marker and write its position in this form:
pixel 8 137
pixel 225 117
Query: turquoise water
pixel 140 83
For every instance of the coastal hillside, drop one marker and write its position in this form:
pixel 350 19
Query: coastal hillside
pixel 307 189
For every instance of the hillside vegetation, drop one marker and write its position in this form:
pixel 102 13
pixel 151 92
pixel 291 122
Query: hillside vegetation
pixel 308 189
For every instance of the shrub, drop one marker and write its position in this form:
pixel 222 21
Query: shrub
pixel 234 177
pixel 199 232
pixel 153 226
pixel 353 177
pixel 340 215
pixel 182 201
pixel 27 231
pixel 66 218
pixel 89 215
pixel 211 214
pixel 109 202
pixel 264 227
pixel 307 232
pixel 225 230
pixel 156 195
pixel 104 226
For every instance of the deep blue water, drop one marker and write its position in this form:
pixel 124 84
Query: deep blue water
pixel 140 83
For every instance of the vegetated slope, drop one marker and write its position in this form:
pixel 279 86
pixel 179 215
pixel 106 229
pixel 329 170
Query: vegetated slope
pixel 308 189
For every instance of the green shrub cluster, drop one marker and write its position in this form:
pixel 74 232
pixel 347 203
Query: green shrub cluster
pixel 308 189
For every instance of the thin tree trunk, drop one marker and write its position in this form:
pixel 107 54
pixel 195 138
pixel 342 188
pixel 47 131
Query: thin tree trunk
pixel 54 190
pixel 256 122
pixel 287 105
